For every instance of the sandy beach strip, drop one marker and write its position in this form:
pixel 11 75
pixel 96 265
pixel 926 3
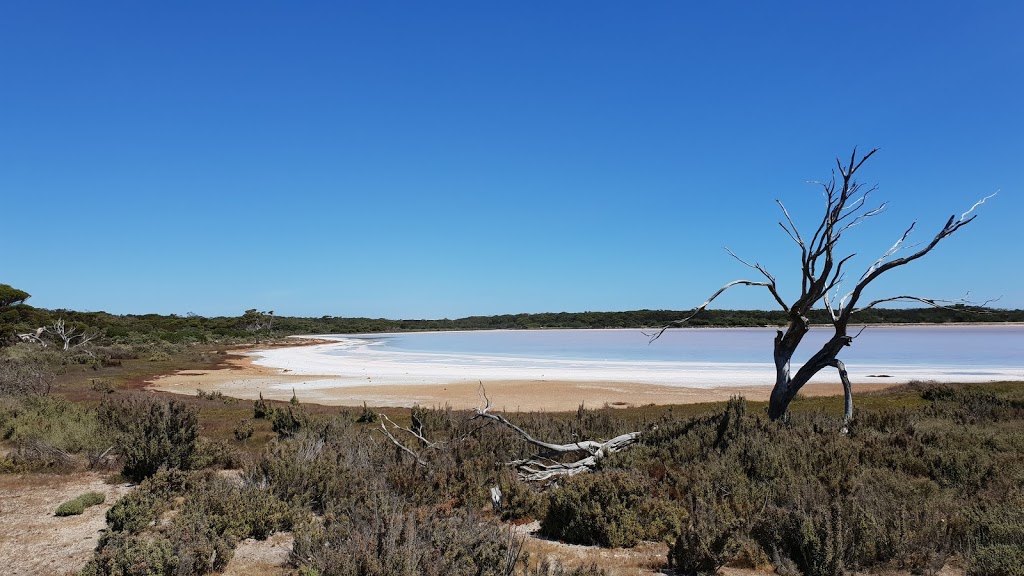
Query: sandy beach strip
pixel 243 378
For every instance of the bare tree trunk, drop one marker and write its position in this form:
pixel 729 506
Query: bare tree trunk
pixel 787 385
pixel 821 275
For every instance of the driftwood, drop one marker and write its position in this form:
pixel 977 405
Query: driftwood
pixel 68 337
pixel 545 466
pixel 71 337
pixel 36 450
pixel 822 274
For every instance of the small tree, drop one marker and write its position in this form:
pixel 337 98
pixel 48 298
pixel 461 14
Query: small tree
pixel 10 296
pixel 256 321
pixel 821 274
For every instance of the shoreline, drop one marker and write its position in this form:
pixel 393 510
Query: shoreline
pixel 655 328
pixel 246 380
pixel 301 366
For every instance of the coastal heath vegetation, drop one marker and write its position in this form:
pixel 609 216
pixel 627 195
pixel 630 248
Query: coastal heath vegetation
pixel 133 336
pixel 927 474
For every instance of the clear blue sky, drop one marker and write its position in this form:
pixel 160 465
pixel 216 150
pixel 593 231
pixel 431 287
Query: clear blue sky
pixel 443 159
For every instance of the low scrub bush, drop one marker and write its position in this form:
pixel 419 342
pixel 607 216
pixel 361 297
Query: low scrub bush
pixel 260 408
pixel 140 508
pixel 520 500
pixel 77 505
pixel 244 430
pixel 211 515
pixel 218 454
pixel 908 486
pixel 997 560
pixel 548 567
pixel 612 509
pixel 287 421
pixel 48 430
pixel 125 554
pixel 151 434
pixel 390 538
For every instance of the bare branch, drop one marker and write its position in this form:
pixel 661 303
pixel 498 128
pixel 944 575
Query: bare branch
pixel 976 204
pixel 828 306
pixel 68 335
pixel 862 217
pixel 862 160
pixel 677 323
pixel 535 468
pixel 933 302
pixel 429 444
pixel 877 269
pixel 35 337
pixel 771 279
pixel 395 441
pixel 793 231
pixel 892 250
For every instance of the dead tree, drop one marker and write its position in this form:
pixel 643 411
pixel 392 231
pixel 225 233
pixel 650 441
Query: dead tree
pixel 70 337
pixel 821 275
pixel 257 321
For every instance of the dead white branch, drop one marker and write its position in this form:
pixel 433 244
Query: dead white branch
pixel 35 337
pixel 384 421
pixel 70 337
pixel 543 466
pixel 681 322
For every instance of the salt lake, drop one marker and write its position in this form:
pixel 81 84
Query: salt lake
pixel 690 357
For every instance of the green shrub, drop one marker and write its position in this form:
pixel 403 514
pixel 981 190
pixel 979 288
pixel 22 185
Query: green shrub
pixel 123 554
pixel 288 420
pixel 143 506
pixel 92 498
pixel 709 540
pixel 47 429
pixel 548 567
pixel 151 434
pixel 72 507
pixel 367 416
pixel 997 560
pixel 198 546
pixel 612 509
pixel 77 505
pixel 211 516
pixel 260 409
pixel 244 430
pixel 520 500
pixel 217 454
pixel 391 539
pixel 104 386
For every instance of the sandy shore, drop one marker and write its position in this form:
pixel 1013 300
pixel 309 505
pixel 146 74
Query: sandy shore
pixel 244 379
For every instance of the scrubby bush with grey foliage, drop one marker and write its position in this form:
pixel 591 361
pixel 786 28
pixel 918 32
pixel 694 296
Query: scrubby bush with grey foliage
pixel 150 433
pixel 813 500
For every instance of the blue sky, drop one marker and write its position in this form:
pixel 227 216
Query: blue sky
pixel 444 159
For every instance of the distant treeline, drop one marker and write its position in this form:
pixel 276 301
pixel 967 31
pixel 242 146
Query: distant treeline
pixel 193 328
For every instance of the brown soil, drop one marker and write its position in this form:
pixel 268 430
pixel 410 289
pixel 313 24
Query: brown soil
pixel 35 542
